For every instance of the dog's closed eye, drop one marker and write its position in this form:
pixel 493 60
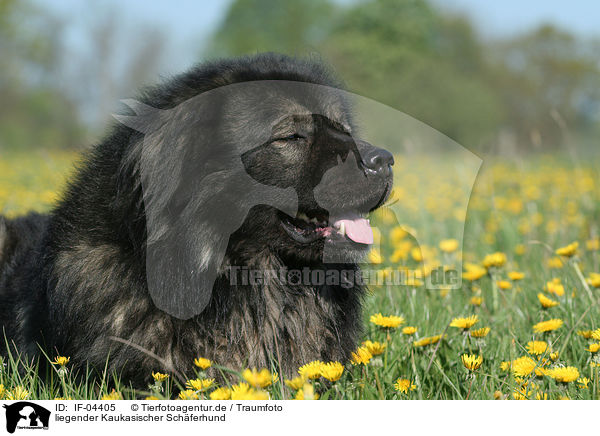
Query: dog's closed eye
pixel 283 141
pixel 292 137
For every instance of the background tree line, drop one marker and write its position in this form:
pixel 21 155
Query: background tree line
pixel 523 92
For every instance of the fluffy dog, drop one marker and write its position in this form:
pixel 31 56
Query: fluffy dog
pixel 238 165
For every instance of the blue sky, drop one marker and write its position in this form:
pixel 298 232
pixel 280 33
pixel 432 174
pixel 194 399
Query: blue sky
pixel 505 17
pixel 188 17
pixel 189 22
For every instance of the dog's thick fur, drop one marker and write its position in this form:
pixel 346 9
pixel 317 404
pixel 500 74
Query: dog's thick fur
pixel 75 279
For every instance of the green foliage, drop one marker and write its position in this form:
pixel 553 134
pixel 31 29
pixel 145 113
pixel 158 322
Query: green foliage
pixel 433 66
pixel 548 82
pixel 35 112
pixel 543 185
pixel 251 26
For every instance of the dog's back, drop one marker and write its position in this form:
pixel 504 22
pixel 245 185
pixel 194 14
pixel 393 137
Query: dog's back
pixel 19 238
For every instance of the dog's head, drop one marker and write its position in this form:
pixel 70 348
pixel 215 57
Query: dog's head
pixel 337 177
pixel 264 165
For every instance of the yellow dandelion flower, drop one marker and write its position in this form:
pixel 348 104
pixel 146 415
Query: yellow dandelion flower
pixel 375 348
pixel 239 390
pixel 471 361
pixel 449 245
pixel 404 385
pixel 546 302
pixel 295 383
pixel 586 334
pixel 202 363
pixel 307 392
pixel 200 384
pixel 566 374
pixel 408 330
pixel 555 287
pixel 548 326
pixel 473 272
pixel 554 355
pixel 515 276
pixel 596 334
pixel 1 391
pixel 537 347
pixel 523 366
pixel 397 234
pixel 476 300
pixel 465 323
pixel 61 360
pixel 593 244
pixel 519 396
pixel 541 396
pixel 113 395
pixel 594 280
pixel 259 379
pixel 593 348
pixel 494 260
pixel 17 393
pixel 427 341
pixel 220 394
pixel 188 394
pixel 555 263
pixel 311 370
pixel 243 391
pixel 375 256
pixel 386 321
pixel 583 382
pixel 504 284
pixel 480 333
pixel 568 250
pixel 332 371
pixel 505 366
pixel 362 355
pixel 159 377
pixel 416 254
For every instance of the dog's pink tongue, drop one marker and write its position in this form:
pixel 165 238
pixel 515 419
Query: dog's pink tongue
pixel 357 229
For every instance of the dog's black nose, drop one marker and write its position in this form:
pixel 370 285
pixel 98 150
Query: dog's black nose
pixel 378 160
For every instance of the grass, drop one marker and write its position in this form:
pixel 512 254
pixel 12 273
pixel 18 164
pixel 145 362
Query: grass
pixel 524 210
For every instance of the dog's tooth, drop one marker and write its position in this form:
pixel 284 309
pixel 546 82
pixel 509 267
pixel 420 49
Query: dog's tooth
pixel 342 229
pixel 314 221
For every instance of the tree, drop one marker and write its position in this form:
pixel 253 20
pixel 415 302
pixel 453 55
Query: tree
pixel 34 112
pixel 548 80
pixel 405 54
pixel 292 27
pixel 400 52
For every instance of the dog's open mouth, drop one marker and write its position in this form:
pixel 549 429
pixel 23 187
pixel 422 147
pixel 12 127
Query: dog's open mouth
pixel 308 227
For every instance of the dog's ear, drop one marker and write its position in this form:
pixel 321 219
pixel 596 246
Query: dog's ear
pixel 196 193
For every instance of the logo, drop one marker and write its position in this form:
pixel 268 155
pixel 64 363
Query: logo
pixel 26 415
pixel 204 170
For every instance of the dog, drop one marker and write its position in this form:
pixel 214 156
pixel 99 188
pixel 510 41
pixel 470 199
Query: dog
pixel 235 167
